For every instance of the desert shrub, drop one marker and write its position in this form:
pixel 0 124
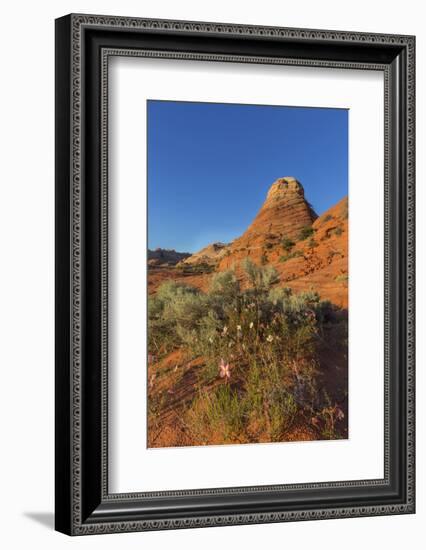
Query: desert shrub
pixel 269 245
pixel 260 278
pixel 312 243
pixel 173 315
pixel 306 232
pixel 161 329
pixel 189 269
pixel 217 415
pixel 342 278
pixel 330 416
pixel 295 254
pixel 278 294
pixel 328 218
pixel 282 412
pixel 271 409
pixel 287 244
pixel 269 337
pixel 338 231
pixel 225 284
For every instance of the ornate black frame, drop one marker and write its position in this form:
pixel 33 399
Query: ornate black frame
pixel 83 46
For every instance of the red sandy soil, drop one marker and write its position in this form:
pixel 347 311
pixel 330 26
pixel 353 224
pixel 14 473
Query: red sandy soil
pixel 174 384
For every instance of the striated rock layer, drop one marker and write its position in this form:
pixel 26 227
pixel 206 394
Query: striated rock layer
pixel 284 214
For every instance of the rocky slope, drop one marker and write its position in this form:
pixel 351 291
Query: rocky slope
pixel 309 252
pixel 319 262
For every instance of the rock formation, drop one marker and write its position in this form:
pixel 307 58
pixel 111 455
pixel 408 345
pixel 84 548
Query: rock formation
pixel 283 215
pixel 285 212
pixel 210 255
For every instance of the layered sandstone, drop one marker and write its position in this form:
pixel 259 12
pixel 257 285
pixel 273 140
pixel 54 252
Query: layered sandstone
pixel 284 214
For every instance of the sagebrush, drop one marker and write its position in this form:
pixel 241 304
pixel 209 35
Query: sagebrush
pixel 257 344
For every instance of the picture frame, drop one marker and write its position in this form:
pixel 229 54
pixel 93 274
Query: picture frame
pixel 84 45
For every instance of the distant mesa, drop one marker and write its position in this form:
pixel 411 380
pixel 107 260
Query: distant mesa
pixel 165 257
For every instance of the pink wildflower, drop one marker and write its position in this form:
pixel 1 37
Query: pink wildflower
pixel 224 370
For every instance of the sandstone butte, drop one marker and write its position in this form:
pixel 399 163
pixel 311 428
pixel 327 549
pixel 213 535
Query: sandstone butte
pixel 317 262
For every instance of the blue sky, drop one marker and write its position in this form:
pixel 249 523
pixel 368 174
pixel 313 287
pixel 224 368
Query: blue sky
pixel 210 165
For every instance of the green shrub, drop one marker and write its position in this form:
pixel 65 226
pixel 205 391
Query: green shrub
pixel 342 278
pixel 260 278
pixel 268 335
pixel 225 284
pixel 173 315
pixel 217 414
pixel 312 243
pixel 306 232
pixel 287 244
pixel 279 294
pixel 295 254
pixel 282 412
pixel 189 269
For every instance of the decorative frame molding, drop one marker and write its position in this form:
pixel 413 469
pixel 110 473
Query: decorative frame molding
pixel 84 43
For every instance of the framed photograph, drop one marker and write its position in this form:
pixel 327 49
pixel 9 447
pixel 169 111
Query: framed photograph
pixel 234 274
